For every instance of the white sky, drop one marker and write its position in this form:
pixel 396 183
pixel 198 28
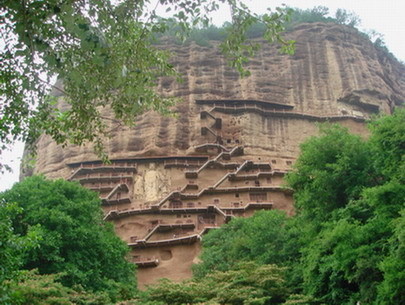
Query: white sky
pixel 385 17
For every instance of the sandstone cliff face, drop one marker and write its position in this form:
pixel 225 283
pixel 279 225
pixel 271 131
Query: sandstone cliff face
pixel 334 71
pixel 172 179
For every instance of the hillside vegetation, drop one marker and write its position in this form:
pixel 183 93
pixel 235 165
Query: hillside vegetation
pixel 55 247
pixel 203 36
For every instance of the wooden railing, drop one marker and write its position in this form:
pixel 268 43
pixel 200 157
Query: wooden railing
pixel 288 113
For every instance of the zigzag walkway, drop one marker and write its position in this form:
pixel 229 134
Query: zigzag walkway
pixel 145 262
pixel 160 227
pixel 194 174
pixel 225 153
pixel 226 212
pixel 118 214
pixel 120 187
pixel 186 240
pixel 179 194
pixel 269 108
pixel 189 239
pixel 113 178
pixel 217 126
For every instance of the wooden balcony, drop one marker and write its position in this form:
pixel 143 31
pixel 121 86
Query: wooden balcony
pixel 146 262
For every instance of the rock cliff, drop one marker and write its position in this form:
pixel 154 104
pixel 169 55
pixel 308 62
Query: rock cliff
pixel 224 155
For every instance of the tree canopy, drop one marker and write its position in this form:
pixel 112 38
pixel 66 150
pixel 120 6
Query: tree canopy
pixel 13 247
pixel 245 283
pixel 103 52
pixel 74 240
pixel 31 288
pixel 224 248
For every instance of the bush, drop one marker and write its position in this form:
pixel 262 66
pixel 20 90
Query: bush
pixel 75 242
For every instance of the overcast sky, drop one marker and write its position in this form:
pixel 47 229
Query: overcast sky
pixel 385 17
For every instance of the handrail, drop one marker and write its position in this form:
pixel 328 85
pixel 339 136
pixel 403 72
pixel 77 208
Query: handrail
pixel 222 108
pixel 113 214
pixel 167 197
pixel 73 174
pixel 248 205
pixel 87 170
pixel 118 187
pixel 287 113
pixel 135 160
pixel 176 225
pixel 233 173
pixel 99 178
pixel 211 131
pixel 147 262
pixel 257 175
pixel 217 145
pixel 233 188
pixel 115 201
pixel 155 243
pixel 232 152
pixel 209 208
pixel 247 101
pixel 208 113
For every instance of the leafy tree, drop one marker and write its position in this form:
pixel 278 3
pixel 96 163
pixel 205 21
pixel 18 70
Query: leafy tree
pixel 244 283
pixel 76 242
pixel 388 144
pixel 103 52
pixel 316 14
pixel 347 258
pixel 392 288
pixel 343 262
pixel 263 238
pixel 12 248
pixel 322 14
pixel 331 170
pixel 268 237
pixel 30 288
pixel 349 18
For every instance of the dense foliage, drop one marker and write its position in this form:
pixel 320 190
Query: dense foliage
pixel 244 283
pixel 74 240
pixel 346 243
pixel 13 248
pixel 322 14
pixel 30 288
pixel 224 248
